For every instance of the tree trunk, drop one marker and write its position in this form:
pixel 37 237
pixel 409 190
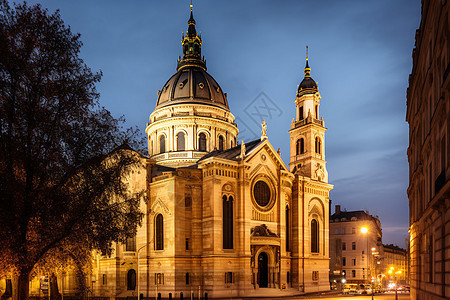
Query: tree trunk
pixel 23 284
pixel 8 290
pixel 54 292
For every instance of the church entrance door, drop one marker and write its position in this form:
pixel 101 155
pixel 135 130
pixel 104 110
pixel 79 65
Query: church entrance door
pixel 263 270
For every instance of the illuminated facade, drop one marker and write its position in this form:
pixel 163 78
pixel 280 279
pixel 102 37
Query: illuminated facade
pixel 394 265
pixel 224 218
pixel 355 246
pixel 428 116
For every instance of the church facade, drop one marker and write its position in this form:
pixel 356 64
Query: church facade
pixel 223 217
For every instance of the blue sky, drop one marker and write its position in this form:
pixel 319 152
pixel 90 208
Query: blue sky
pixel 359 53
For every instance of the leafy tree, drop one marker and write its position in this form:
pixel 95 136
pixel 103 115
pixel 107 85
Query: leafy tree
pixel 63 157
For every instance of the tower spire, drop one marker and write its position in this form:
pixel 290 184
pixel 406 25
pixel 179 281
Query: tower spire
pixel 307 68
pixel 192 45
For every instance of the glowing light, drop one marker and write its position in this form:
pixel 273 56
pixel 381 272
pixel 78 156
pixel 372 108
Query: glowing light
pixel 390 271
pixel 373 249
pixel 364 230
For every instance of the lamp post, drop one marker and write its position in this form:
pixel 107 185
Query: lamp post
pixel 392 270
pixel 137 279
pixel 365 230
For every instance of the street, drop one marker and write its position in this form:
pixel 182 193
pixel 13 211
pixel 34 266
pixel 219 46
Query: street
pixel 328 296
pixel 356 297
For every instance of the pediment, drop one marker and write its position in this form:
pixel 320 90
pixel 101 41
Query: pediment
pixel 265 153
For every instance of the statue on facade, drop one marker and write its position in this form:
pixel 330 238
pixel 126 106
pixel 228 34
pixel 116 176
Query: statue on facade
pixel 242 150
pixel 263 130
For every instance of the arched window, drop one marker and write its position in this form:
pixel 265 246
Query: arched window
pixel 318 145
pixel 131 280
pixel 300 113
pixel 220 143
pixel 159 232
pixel 162 143
pixel 300 146
pixel 314 236
pixel 316 111
pixel 180 141
pixel 287 228
pixel 202 142
pixel 227 203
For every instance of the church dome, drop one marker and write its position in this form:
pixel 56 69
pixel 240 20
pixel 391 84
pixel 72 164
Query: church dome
pixel 308 85
pixel 192 84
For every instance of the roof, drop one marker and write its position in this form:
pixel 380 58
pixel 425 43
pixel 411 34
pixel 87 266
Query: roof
pixel 393 247
pixel 348 215
pixel 232 153
pixel 192 84
pixel 158 170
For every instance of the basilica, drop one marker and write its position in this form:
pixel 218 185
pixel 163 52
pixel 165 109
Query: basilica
pixel 224 218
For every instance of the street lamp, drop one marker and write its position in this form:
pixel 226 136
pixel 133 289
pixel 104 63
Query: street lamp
pixel 392 271
pixel 365 230
pixel 137 281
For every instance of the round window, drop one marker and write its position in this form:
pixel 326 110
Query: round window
pixel 261 192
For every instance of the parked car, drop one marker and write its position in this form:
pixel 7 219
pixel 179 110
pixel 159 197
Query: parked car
pixel 350 288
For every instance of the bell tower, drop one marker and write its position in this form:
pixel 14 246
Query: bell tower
pixel 307 143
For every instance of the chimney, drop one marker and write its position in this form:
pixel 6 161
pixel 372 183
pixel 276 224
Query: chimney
pixel 337 209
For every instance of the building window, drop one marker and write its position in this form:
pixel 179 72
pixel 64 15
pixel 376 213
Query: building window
pixel 354 261
pixel 131 280
pixel 159 232
pixel 344 261
pixel 300 113
pixel 162 144
pixel 187 244
pixel 353 230
pixel 314 236
pixel 227 204
pixel 104 279
pixel 316 111
pixel 288 277
pixel 353 273
pixel 220 143
pixel 159 278
pixel 318 145
pixel 188 279
pixel 261 192
pixel 344 246
pixel 228 277
pixel 187 199
pixel 130 244
pixel 202 142
pixel 353 246
pixel 181 145
pixel 315 275
pixel 287 228
pixel 300 146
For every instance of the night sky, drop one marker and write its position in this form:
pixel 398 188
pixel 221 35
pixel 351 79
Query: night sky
pixel 359 53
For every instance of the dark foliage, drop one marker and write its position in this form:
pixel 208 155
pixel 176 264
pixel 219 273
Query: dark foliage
pixel 62 156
